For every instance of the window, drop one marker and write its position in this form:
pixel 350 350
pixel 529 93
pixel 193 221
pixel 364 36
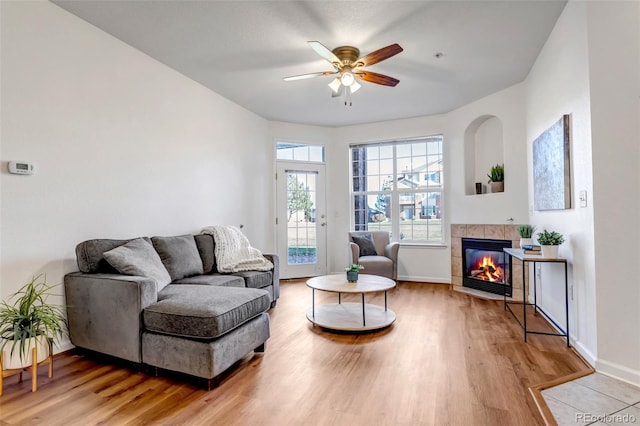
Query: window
pixel 299 152
pixel 397 187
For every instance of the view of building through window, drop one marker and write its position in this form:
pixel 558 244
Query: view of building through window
pixel 397 187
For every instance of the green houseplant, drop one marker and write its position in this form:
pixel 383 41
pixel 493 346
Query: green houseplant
pixel 526 234
pixel 550 240
pixel 496 178
pixel 29 322
pixel 352 272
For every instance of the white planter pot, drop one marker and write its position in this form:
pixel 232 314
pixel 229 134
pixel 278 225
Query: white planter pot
pixel 550 251
pixel 526 242
pixel 12 361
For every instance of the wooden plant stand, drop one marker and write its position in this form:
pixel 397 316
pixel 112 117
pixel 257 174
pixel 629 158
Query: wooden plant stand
pixel 34 369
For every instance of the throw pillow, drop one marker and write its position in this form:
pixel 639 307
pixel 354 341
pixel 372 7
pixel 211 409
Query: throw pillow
pixel 206 248
pixel 179 255
pixel 137 257
pixel 365 242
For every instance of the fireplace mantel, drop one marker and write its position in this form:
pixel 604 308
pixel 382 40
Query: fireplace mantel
pixel 488 231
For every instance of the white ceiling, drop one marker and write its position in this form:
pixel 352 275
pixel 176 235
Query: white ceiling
pixel 243 49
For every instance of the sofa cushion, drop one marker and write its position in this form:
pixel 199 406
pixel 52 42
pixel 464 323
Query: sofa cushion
pixel 255 279
pixel 90 255
pixel 137 257
pixel 213 279
pixel 179 255
pixel 206 247
pixel 365 242
pixel 203 312
pixel 378 265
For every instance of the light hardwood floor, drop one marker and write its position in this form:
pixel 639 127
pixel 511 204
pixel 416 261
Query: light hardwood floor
pixel 449 359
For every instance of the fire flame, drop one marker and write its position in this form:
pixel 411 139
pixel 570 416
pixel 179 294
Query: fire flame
pixel 487 270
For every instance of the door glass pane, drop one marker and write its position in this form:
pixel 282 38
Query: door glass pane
pixel 301 217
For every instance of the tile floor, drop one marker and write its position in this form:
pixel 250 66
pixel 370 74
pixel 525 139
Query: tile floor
pixel 595 399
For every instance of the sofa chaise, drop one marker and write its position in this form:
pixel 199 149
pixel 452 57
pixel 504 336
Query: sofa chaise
pixel 161 302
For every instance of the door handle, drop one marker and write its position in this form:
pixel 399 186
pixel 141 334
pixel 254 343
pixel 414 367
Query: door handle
pixel 323 223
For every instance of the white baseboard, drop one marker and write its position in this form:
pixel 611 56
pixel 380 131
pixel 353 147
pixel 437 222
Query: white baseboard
pixel 619 372
pixel 586 353
pixel 435 280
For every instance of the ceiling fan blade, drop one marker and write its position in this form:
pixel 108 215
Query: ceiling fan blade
pixel 374 77
pixel 310 75
pixel 337 93
pixel 323 51
pixel 379 55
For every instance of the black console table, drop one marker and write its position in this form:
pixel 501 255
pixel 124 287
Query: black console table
pixel 535 258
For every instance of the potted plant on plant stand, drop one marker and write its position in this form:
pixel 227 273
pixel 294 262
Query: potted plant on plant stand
pixel 29 322
pixel 550 240
pixel 496 178
pixel 352 272
pixel 526 234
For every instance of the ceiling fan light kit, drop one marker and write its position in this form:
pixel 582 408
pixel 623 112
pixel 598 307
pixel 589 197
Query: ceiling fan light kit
pixel 347 78
pixel 348 65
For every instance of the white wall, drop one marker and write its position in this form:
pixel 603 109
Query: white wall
pixel 425 263
pixel 488 149
pixel 124 147
pixel 508 108
pixel 413 261
pixel 614 61
pixel 590 68
pixel 559 84
pixel 127 147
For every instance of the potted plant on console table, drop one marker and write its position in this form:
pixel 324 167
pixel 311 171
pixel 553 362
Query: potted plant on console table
pixel 28 328
pixel 549 241
pixel 526 234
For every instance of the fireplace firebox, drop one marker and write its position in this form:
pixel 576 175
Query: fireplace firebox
pixel 485 266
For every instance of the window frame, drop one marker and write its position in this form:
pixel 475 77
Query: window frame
pixel 297 148
pixel 396 192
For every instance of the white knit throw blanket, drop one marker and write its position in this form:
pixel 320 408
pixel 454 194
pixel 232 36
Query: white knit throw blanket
pixel 234 252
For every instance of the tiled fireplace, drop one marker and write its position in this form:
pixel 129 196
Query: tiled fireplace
pixel 485 266
pixel 480 266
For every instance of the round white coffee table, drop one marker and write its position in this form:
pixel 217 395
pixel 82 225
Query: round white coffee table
pixel 350 316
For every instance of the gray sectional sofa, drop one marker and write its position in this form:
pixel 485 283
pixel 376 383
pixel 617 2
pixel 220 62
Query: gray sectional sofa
pixel 161 302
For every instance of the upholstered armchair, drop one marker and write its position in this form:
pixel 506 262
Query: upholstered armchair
pixel 381 258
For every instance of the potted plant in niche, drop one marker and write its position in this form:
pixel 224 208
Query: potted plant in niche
pixel 550 240
pixel 352 272
pixel 29 322
pixel 526 234
pixel 496 178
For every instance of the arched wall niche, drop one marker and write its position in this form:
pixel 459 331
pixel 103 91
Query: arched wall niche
pixel 483 148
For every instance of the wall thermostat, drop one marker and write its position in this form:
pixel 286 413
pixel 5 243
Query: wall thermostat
pixel 21 168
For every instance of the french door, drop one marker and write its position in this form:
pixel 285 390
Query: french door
pixel 301 219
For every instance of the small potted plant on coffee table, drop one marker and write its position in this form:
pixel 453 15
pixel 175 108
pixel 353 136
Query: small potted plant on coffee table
pixel 550 240
pixel 352 272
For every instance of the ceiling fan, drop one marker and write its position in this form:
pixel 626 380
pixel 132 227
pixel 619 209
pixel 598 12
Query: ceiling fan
pixel 349 66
